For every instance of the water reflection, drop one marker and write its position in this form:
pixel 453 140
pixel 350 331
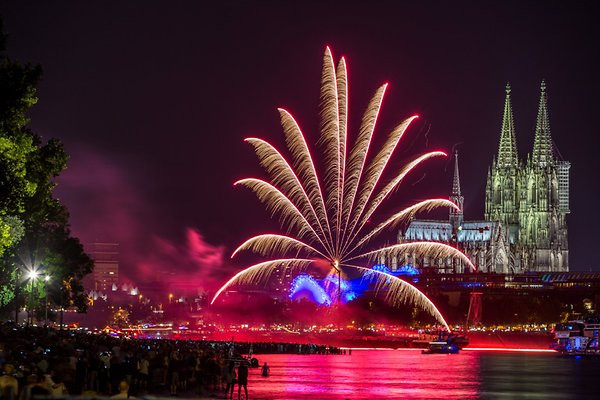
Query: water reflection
pixel 368 375
pixel 509 375
pixel 408 374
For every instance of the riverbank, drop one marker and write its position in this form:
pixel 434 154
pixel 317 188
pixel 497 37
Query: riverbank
pixel 409 339
pixel 49 362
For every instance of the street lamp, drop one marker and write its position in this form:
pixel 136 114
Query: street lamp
pixel 32 275
pixel 46 280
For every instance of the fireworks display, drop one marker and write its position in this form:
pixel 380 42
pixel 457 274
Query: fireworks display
pixel 326 216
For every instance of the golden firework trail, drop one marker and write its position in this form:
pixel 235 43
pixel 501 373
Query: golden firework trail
pixel 325 217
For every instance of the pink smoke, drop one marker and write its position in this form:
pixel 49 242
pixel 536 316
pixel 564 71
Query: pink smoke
pixel 190 265
pixel 107 204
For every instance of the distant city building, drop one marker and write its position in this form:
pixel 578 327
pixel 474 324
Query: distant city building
pixel 105 276
pixel 526 205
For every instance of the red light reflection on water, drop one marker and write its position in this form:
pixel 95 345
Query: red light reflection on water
pixel 368 374
pixel 508 349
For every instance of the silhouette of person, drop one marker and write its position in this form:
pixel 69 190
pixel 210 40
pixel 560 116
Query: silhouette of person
pixel 265 370
pixel 243 379
pixel 230 377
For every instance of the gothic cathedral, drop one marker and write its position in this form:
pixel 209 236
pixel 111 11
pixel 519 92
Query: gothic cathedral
pixel 531 198
pixel 526 205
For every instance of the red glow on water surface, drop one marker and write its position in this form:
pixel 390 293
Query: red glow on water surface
pixel 368 375
pixel 508 349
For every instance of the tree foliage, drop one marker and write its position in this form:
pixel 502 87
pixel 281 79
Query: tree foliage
pixel 34 226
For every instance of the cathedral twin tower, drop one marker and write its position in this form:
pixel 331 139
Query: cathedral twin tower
pixel 530 198
pixel 526 204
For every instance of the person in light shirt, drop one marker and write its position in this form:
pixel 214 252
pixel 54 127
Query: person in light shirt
pixel 123 391
pixel 9 386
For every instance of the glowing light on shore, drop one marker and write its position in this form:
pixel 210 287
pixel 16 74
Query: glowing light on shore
pixel 325 218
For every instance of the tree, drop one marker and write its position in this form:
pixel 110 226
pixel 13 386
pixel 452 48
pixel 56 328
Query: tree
pixel 17 95
pixel 120 319
pixel 34 226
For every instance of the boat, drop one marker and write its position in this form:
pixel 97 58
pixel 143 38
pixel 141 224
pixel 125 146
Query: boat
pixel 446 343
pixel 578 337
pixel 440 347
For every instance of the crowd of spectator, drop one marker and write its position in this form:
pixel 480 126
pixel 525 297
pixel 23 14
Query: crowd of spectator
pixel 40 361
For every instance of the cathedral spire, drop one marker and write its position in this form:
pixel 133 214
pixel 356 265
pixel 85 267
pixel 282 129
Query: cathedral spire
pixel 542 144
pixel 456 217
pixel 507 151
pixel 456 178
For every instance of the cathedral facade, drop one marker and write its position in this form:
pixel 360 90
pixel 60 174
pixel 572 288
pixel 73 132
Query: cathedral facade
pixel 531 197
pixel 526 204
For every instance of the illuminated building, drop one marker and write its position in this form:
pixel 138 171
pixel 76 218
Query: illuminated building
pixel 484 242
pixel 526 205
pixel 532 197
pixel 105 276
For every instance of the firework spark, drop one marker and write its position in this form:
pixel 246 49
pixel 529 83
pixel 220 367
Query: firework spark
pixel 325 219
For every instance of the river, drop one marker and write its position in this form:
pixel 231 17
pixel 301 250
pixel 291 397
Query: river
pixel 408 374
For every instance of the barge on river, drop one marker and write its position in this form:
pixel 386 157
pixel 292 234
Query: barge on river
pixel 578 337
pixel 446 343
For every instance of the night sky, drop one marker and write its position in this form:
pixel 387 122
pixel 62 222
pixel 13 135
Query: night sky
pixel 153 103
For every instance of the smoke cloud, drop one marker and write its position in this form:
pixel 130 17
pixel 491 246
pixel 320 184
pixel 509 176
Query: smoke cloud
pixel 108 204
